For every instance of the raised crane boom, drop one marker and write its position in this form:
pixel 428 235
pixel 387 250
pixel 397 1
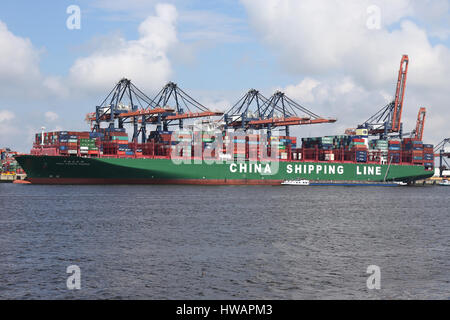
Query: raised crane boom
pixel 388 119
pixel 254 111
pixel 127 104
pixel 400 94
pixel 420 124
pixel 185 107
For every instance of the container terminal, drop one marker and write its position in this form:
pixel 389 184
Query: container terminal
pixel 248 144
pixel 10 170
pixel 442 172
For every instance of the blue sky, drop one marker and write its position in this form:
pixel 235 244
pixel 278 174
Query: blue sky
pixel 217 65
pixel 321 53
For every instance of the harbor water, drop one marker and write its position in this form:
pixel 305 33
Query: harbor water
pixel 225 242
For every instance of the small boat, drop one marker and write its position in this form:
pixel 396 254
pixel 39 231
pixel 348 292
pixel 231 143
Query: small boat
pixel 400 183
pixel 444 183
pixel 301 182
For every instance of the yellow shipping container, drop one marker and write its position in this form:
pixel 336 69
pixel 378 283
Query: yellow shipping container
pixel 362 132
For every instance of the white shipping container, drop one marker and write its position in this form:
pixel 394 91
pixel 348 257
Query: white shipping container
pixel 225 156
pixel 445 173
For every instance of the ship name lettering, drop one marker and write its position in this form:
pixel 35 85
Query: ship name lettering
pixel 250 168
pixel 308 169
pixel 368 171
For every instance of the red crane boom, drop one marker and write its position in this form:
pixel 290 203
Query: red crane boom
pixel 400 94
pixel 420 123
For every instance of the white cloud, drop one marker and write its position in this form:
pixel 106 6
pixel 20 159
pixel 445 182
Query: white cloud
pixel 7 129
pixel 321 37
pixel 24 88
pixel 19 69
pixel 144 60
pixel 55 85
pixel 18 61
pixel 350 69
pixel 51 116
pixel 303 91
pixel 216 104
pixel 211 26
pixel 352 104
pixel 18 58
pixel 332 97
pixel 6 115
pixel 435 16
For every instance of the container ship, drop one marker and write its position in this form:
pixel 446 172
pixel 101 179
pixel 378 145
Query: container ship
pixel 250 144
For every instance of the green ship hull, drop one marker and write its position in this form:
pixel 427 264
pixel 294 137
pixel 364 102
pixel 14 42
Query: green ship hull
pixel 79 170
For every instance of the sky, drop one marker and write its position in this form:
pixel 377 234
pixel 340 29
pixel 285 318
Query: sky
pixel 338 58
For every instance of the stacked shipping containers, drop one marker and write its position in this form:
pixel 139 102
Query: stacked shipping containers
pixel 182 142
pixel 428 156
pixel 250 145
pixel 413 150
pixel 116 143
pixel 395 151
pixel 254 146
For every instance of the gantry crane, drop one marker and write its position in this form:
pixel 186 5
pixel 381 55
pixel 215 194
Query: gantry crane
pixel 127 104
pixel 254 111
pixel 249 107
pixel 417 132
pixel 388 119
pixel 124 104
pixel 441 152
pixel 184 105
